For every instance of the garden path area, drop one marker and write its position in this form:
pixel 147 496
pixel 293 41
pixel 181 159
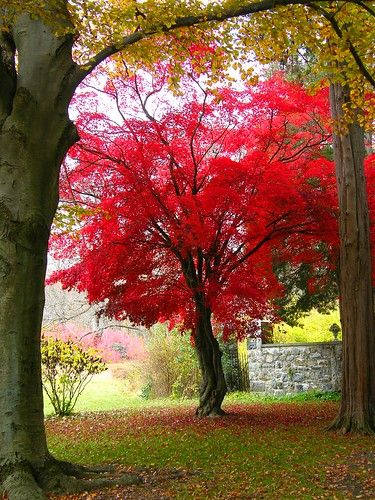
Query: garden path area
pixel 260 451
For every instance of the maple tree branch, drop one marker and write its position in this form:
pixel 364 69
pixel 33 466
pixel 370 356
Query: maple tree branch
pixel 69 183
pixel 269 236
pixel 193 135
pixel 185 22
pixel 200 264
pixel 143 102
pixel 308 145
pixel 281 144
pixel 100 330
pixel 214 141
pixel 190 272
pixel 63 319
pixel 167 240
pixel 163 233
pixel 85 193
pixel 270 130
pixel 248 254
pixel 119 110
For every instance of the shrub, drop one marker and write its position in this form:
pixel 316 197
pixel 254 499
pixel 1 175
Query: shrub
pixel 314 327
pixel 172 366
pixel 131 373
pixel 231 365
pixel 67 368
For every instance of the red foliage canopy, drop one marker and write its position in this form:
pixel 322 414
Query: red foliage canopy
pixel 197 194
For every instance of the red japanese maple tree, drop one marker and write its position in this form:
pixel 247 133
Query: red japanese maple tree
pixel 188 200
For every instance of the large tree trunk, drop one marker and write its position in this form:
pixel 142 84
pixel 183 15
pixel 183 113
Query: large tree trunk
pixel 214 387
pixel 357 410
pixel 35 134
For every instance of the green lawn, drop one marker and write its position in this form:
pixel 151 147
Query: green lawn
pixel 104 394
pixel 268 450
pixel 107 394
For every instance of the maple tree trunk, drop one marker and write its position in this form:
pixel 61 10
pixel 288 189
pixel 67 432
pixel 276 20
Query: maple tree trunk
pixel 214 387
pixel 357 410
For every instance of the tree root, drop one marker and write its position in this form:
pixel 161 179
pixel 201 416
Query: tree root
pixel 23 482
pixel 80 471
pixel 21 485
pixel 345 424
pixel 207 411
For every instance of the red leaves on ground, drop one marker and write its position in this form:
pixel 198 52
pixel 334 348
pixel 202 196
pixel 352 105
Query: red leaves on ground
pixel 121 423
pixel 283 451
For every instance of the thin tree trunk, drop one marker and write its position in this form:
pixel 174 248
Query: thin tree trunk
pixel 214 387
pixel 357 410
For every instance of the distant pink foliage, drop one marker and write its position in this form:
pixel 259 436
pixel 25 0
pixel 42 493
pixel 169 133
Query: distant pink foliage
pixel 113 345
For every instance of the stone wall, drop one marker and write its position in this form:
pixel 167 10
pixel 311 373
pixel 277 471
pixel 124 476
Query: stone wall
pixel 289 368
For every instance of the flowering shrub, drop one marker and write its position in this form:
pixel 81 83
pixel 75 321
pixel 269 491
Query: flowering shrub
pixel 113 345
pixel 67 368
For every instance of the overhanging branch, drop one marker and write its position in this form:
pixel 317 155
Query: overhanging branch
pixel 205 16
pixel 331 19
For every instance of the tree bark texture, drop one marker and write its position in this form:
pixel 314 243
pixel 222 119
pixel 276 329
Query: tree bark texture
pixel 357 410
pixel 213 387
pixel 35 133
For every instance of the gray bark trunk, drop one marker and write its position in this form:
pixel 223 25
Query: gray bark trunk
pixel 213 387
pixel 35 134
pixel 357 410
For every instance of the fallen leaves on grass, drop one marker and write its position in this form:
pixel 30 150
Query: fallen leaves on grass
pixel 238 417
pixel 155 485
pixel 355 477
pixel 260 451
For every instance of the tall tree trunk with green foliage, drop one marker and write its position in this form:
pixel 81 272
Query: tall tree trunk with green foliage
pixel 357 410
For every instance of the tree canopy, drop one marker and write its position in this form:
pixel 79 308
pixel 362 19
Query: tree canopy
pixel 46 49
pixel 205 193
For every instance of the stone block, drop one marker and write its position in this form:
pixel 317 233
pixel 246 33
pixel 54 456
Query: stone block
pixel 298 377
pixel 279 370
pixel 257 386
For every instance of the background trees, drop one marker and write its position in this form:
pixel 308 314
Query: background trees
pixel 188 208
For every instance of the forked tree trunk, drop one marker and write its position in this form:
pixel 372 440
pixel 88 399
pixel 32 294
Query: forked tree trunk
pixel 357 410
pixel 214 387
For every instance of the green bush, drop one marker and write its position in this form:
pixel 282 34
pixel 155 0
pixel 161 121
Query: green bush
pixel 231 365
pixel 131 374
pixel 172 366
pixel 66 370
pixel 315 327
pixel 146 390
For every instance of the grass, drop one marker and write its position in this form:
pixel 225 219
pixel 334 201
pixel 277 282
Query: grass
pixel 103 394
pixel 107 394
pixel 272 451
pixel 262 449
